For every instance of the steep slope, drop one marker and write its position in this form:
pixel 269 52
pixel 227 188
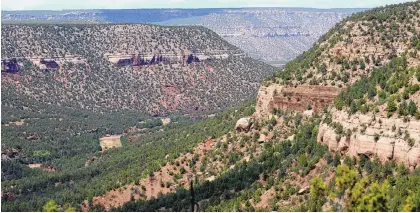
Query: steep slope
pixel 64 87
pixel 138 67
pixel 367 116
pixel 352 49
pixel 87 175
pixel 378 115
pixel 293 174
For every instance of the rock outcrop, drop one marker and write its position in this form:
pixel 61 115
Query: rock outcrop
pixel 55 62
pixel 386 138
pixel 184 57
pixel 243 124
pixel 9 65
pixel 12 153
pixel 293 98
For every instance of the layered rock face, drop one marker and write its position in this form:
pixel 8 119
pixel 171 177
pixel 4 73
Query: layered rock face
pixel 387 138
pixel 184 57
pixel 293 98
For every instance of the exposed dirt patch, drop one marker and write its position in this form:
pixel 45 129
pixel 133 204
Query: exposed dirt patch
pixel 40 166
pixel 108 142
pixel 16 123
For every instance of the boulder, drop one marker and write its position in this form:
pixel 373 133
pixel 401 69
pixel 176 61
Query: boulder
pixel 211 178
pixel 303 190
pixel 262 138
pixel 308 113
pixel 243 124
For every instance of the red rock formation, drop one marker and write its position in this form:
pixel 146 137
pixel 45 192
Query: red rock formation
pixel 294 98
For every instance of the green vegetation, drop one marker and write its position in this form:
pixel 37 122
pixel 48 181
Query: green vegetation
pixel 63 134
pixel 317 194
pixel 362 185
pixel 376 188
pixel 311 66
pixel 73 182
pixel 275 158
pixel 383 86
pixel 90 81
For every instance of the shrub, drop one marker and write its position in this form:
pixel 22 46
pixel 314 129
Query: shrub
pixel 392 107
pixel 412 108
pixel 376 137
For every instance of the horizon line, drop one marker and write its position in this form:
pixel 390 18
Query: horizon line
pixel 196 8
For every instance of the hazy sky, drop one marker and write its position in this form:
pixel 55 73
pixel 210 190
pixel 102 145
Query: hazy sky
pixel 119 4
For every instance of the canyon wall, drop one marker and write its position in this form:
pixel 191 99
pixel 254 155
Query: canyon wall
pixel 185 57
pixel 298 98
pixel 386 138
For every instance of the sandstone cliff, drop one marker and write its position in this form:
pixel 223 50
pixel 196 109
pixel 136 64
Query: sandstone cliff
pixel 298 98
pixel 388 138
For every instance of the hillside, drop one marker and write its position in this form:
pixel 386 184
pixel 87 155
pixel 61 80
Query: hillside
pixel 355 46
pixel 67 88
pixel 147 68
pixel 368 67
pixel 352 141
pixel 312 141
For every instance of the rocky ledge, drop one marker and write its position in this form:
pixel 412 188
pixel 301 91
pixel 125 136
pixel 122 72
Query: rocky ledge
pixel 387 138
pixel 298 98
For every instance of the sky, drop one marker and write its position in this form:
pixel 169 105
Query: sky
pixel 134 4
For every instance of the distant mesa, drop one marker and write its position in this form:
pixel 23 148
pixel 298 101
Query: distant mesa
pixel 285 35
